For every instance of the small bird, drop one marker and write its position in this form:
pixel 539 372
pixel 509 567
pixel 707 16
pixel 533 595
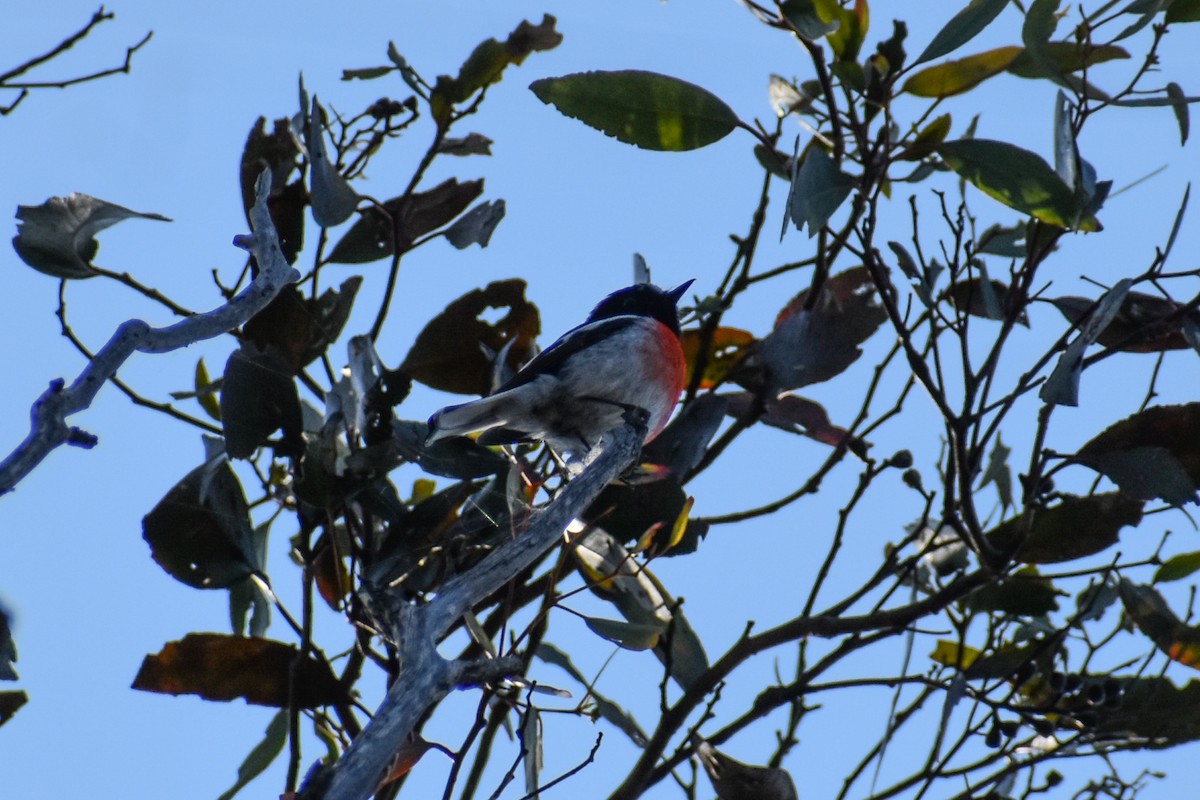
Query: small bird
pixel 733 780
pixel 625 356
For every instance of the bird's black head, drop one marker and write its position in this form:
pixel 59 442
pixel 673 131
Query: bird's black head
pixel 643 300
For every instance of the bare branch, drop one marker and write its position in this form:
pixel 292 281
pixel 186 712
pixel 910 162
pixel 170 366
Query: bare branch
pixel 48 426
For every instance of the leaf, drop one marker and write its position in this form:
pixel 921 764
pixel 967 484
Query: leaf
pixel 1143 324
pixel 262 755
pixel 259 397
pixel 246 597
pixel 200 531
pixel 925 143
pixel 10 704
pixel 1180 107
pixel 457 457
pixel 813 346
pixel 645 109
pixel 1016 177
pixel 795 414
pixel 476 226
pixel 8 649
pixel 260 671
pixel 1154 710
pixel 1183 11
pixel 1150 612
pixel 607 710
pixel 366 73
pixel 845 40
pixel 818 189
pixel 1154 453
pixel 962 28
pixel 1178 567
pixel 205 391
pixel 300 327
pixel 451 351
pixel 1040 22
pixel 1073 528
pixel 628 635
pixel 628 513
pixel 1000 241
pixel 487 62
pixel 951 654
pixel 725 349
pixel 58 237
pixel 1024 594
pixel 332 198
pixel 998 472
pixel 981 297
pixel 473 144
pixel 804 19
pixel 615 576
pixel 1062 387
pixel 381 232
pixel 276 151
pixel 963 75
pixel 1064 58
pixel 683 442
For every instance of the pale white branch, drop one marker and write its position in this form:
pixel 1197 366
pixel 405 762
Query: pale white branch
pixel 48 416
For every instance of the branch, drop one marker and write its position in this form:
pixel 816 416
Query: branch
pixel 426 677
pixel 48 416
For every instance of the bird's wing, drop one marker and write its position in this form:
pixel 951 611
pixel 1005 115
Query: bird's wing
pixel 550 360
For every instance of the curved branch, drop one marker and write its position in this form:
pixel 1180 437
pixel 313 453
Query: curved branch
pixel 48 416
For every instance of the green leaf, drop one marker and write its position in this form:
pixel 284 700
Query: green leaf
pixel 262 755
pixel 1073 528
pixel 1065 57
pixel 642 599
pixel 803 16
pixel 1040 22
pixel 818 189
pixel 10 703
pixel 200 531
pixel 205 391
pixel 962 28
pixel 1024 594
pixel 490 58
pixel 926 141
pixel 998 472
pixel 1183 11
pixel 846 40
pixel 259 397
pixel 645 109
pixel 1062 387
pixel 629 635
pixel 366 73
pixel 1016 177
pixel 59 236
pixel 957 77
pixel 1178 567
pixel 1180 107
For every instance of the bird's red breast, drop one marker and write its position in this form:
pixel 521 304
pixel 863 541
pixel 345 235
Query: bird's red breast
pixel 669 359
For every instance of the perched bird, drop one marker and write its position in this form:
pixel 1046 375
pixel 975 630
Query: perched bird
pixel 733 780
pixel 626 356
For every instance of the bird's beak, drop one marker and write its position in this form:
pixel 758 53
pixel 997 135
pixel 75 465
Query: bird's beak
pixel 678 291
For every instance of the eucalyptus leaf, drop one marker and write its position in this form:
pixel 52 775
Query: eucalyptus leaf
pixel 645 109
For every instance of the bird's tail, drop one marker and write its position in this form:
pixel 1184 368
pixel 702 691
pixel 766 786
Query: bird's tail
pixel 473 417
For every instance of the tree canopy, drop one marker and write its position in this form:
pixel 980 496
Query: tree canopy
pixel 936 485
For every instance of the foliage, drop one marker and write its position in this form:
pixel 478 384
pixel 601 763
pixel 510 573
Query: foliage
pixel 1032 666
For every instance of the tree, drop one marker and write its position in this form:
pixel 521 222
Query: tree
pixel 1006 626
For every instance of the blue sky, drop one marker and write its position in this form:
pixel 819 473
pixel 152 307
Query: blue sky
pixel 87 600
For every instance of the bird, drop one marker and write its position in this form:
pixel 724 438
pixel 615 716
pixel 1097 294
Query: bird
pixel 733 780
pixel 626 356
